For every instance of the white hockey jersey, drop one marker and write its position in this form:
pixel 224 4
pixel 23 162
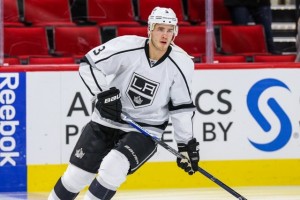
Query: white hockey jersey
pixel 150 94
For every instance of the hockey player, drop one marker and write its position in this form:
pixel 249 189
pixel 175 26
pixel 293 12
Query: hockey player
pixel 151 82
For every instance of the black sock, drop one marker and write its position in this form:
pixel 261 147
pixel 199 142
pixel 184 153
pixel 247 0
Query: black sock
pixel 62 193
pixel 101 192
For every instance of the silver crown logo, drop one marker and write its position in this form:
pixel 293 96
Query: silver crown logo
pixel 138 100
pixel 79 153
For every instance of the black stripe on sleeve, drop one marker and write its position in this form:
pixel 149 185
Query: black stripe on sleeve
pixel 128 50
pixel 187 86
pixel 93 75
pixel 179 107
pixel 87 86
pixel 95 79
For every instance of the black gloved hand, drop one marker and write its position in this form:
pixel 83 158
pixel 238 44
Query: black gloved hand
pixel 109 104
pixel 191 152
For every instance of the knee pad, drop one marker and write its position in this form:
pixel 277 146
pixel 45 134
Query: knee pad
pixel 113 169
pixel 75 179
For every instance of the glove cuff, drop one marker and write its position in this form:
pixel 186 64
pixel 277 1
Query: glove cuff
pixel 182 147
pixel 193 144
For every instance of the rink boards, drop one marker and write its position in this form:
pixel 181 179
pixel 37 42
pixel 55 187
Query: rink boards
pixel 247 122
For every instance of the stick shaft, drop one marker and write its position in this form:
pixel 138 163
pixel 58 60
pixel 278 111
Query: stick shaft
pixel 179 155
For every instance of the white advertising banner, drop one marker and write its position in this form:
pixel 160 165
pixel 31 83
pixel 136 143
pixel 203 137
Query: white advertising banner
pixel 241 114
pixel 58 106
pixel 247 114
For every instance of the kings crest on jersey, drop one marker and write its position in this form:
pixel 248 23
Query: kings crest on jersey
pixel 141 91
pixel 150 93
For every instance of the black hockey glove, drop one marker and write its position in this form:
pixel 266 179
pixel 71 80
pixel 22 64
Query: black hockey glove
pixel 191 152
pixel 109 104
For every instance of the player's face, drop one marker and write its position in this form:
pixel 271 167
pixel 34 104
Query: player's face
pixel 162 36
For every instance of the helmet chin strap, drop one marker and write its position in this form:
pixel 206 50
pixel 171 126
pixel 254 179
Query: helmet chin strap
pixel 173 38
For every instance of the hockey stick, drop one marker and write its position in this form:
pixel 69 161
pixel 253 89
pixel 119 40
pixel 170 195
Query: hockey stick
pixel 179 155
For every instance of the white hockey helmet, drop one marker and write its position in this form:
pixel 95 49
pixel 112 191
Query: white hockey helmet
pixel 162 16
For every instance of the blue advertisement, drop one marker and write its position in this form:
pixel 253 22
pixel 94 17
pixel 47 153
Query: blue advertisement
pixel 13 171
